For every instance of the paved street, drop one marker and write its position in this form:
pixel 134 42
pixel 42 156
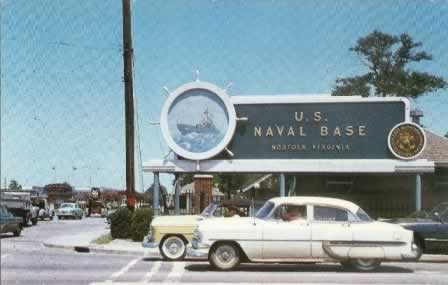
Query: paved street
pixel 24 260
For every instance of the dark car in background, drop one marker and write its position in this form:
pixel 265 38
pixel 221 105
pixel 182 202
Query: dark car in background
pixel 430 231
pixel 10 223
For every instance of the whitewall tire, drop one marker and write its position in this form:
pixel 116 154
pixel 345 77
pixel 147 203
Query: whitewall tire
pixel 173 248
pixel 225 256
pixel 365 264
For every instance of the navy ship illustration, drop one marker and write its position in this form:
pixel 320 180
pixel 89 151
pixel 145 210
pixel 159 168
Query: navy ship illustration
pixel 206 126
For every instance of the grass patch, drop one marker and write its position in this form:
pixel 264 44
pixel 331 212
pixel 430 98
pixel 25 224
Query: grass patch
pixel 104 239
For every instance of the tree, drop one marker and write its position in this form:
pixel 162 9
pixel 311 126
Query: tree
pixel 446 135
pixel 14 185
pixel 386 58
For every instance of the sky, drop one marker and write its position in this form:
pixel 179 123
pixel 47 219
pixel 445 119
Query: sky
pixel 62 102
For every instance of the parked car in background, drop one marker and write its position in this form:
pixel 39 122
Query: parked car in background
pixel 171 234
pixel 110 212
pixel 10 223
pixel 300 229
pixel 45 209
pixel 70 210
pixel 430 232
pixel 19 203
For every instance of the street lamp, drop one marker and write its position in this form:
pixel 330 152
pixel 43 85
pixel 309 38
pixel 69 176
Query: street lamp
pixel 89 169
pixel 54 173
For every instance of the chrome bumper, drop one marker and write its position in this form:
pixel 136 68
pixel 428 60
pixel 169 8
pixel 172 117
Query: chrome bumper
pixel 148 242
pixel 198 253
pixel 415 253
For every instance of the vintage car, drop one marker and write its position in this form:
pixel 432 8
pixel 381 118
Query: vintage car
pixel 70 210
pixel 171 234
pixel 303 229
pixel 431 232
pixel 10 223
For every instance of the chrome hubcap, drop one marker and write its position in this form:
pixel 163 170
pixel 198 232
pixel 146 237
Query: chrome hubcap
pixel 173 247
pixel 225 254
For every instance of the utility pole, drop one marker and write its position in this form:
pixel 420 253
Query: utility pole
pixel 128 103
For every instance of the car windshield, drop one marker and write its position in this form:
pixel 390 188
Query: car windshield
pixel 363 216
pixel 440 212
pixel 265 210
pixel 208 211
pixel 67 206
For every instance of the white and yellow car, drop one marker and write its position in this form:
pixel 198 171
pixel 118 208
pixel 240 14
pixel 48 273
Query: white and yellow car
pixel 301 229
pixel 172 234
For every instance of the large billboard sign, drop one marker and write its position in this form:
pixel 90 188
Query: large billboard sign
pixel 200 121
pixel 318 130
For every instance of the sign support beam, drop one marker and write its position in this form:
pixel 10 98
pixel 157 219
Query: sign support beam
pixel 418 192
pixel 282 185
pixel 155 194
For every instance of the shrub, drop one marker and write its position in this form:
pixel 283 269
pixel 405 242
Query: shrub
pixel 120 224
pixel 140 223
pixel 419 214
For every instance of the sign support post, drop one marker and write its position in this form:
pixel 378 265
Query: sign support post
pixel 155 194
pixel 418 192
pixel 282 185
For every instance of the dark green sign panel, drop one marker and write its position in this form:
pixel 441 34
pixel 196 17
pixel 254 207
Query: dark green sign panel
pixel 346 130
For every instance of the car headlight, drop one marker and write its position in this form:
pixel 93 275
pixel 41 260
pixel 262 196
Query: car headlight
pixel 196 234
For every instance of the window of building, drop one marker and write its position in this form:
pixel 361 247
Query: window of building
pixel 339 184
pixel 441 183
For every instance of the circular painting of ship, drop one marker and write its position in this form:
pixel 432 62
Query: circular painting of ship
pixel 198 120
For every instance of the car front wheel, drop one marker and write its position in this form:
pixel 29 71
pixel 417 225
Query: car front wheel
pixel 18 231
pixel 365 264
pixel 173 248
pixel 224 256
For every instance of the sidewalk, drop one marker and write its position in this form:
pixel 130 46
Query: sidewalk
pixel 83 242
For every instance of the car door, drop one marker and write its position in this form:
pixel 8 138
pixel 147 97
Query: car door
pixel 287 237
pixel 3 220
pixel 8 222
pixel 437 238
pixel 330 226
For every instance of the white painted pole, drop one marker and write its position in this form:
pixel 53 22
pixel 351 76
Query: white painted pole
pixel 155 194
pixel 282 185
pixel 176 197
pixel 418 192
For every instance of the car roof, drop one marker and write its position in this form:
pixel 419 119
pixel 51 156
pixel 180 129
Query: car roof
pixel 317 200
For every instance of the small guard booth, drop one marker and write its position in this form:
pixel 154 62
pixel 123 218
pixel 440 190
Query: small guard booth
pixel 210 132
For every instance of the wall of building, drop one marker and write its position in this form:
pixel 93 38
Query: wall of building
pixel 382 196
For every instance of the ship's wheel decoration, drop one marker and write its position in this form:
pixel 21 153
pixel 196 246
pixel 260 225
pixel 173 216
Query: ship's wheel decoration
pixel 198 120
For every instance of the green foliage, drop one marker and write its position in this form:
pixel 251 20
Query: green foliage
pixel 420 214
pixel 104 239
pixel 140 223
pixel 446 135
pixel 120 226
pixel 14 185
pixel 386 58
